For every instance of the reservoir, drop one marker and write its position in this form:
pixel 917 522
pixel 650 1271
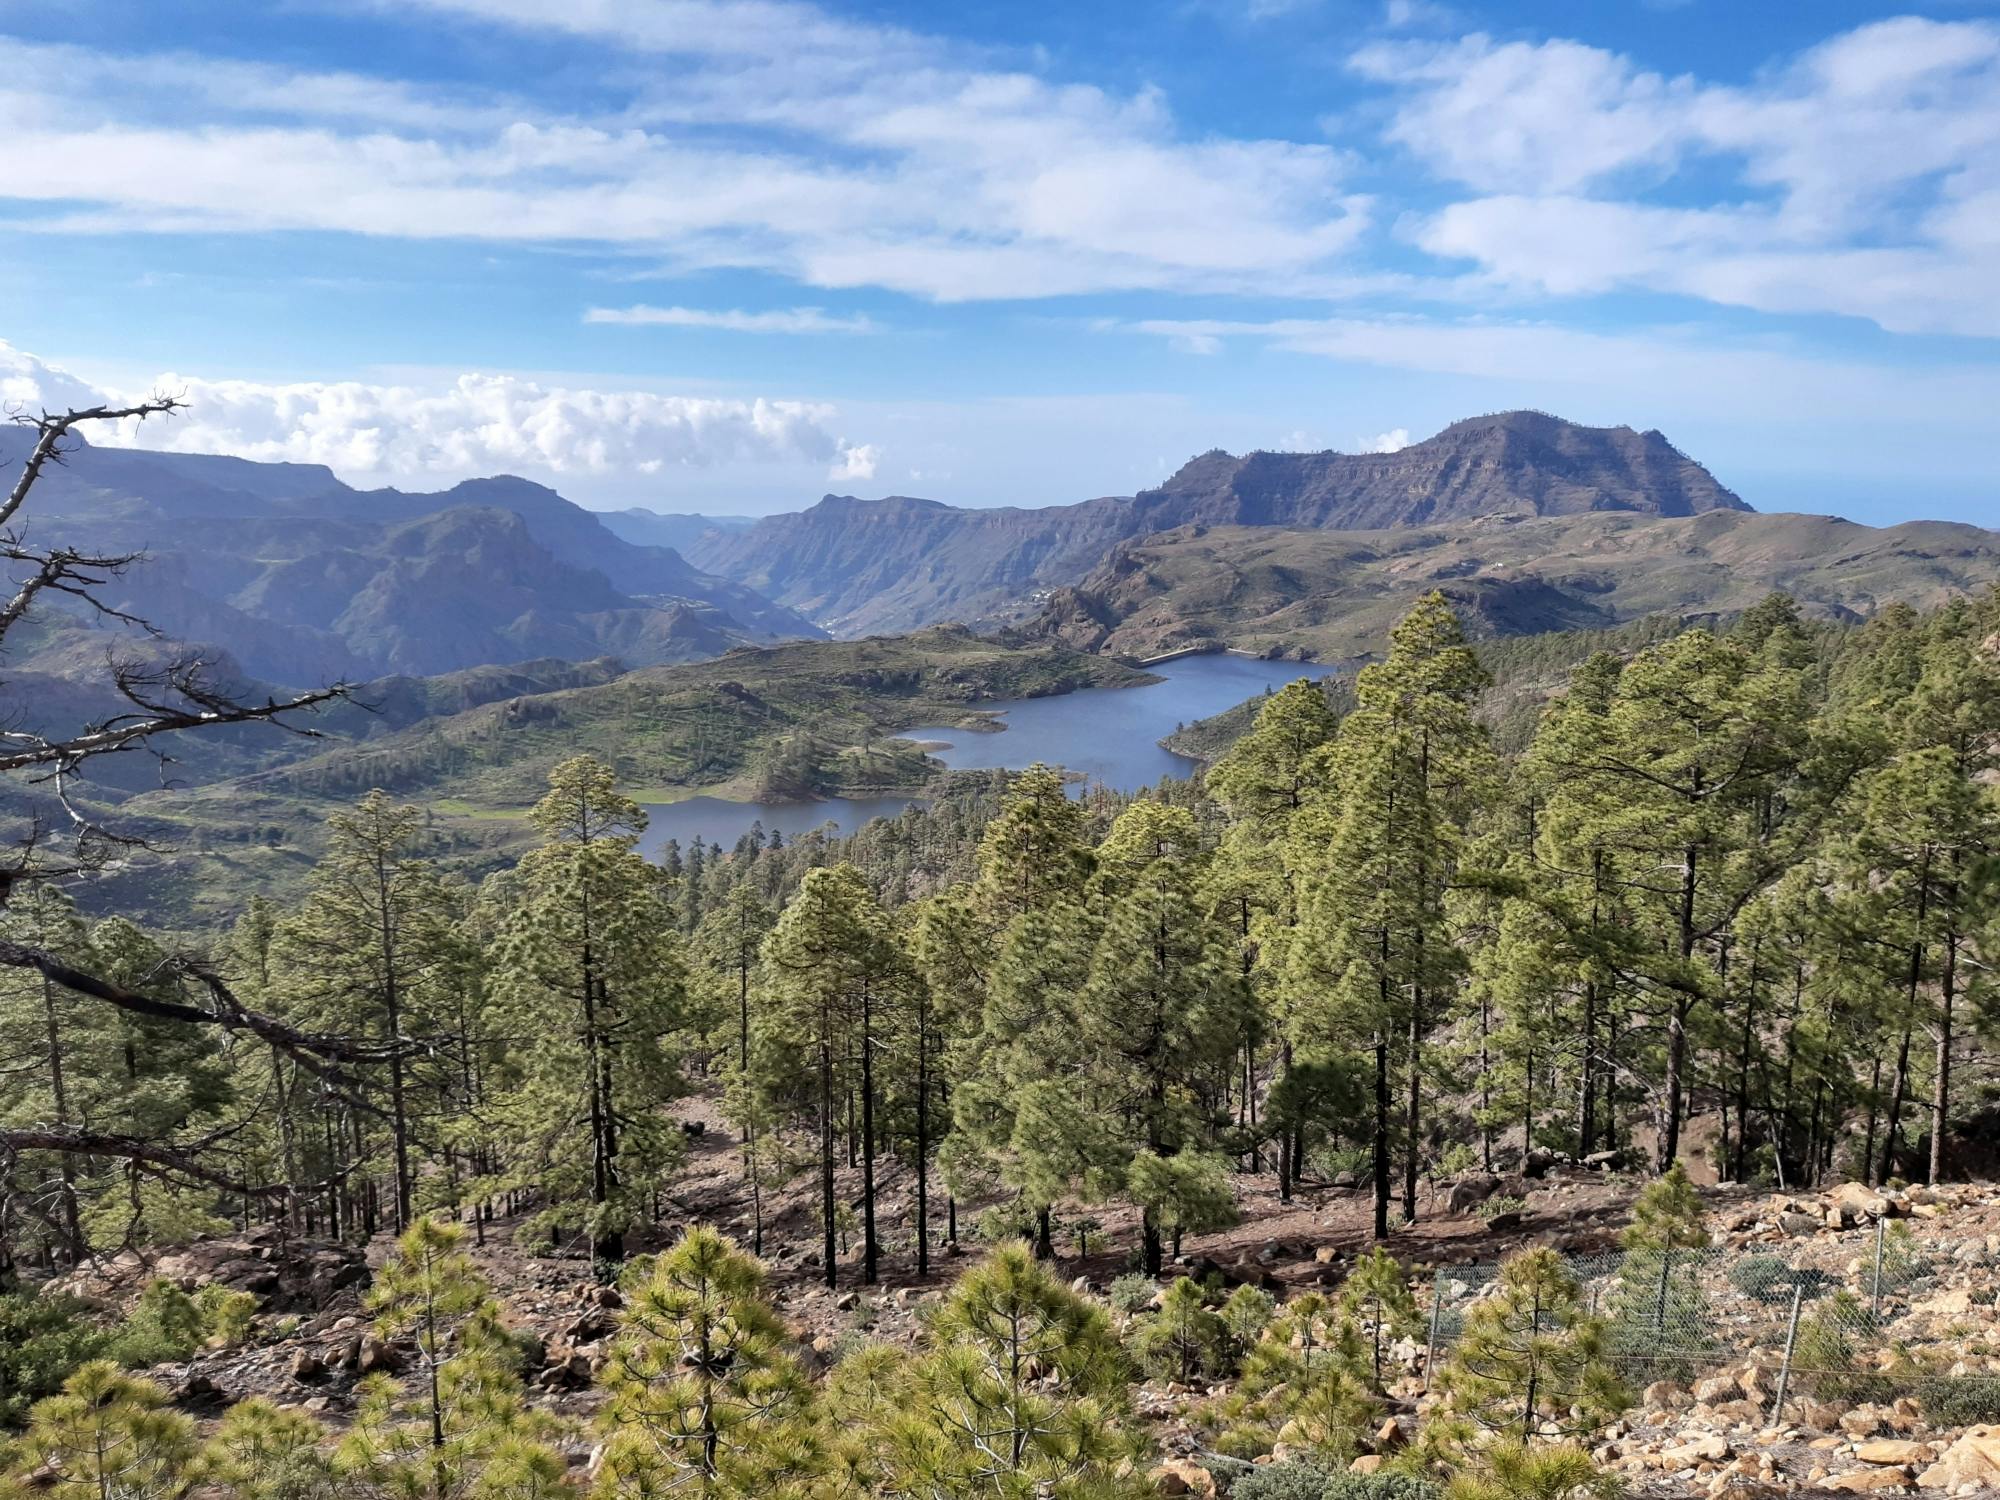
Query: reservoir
pixel 1107 735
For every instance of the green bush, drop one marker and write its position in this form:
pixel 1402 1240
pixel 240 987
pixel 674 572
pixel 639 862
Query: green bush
pixel 1132 1293
pixel 42 1341
pixel 1286 1481
pixel 225 1315
pixel 1379 1487
pixel 1004 1222
pixel 1769 1279
pixel 165 1327
pixel 1961 1401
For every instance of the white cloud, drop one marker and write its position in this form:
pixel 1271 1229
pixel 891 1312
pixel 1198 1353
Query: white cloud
pixel 857 462
pixel 1393 441
pixel 30 386
pixel 786 320
pixel 777 138
pixel 1862 178
pixel 1548 116
pixel 476 424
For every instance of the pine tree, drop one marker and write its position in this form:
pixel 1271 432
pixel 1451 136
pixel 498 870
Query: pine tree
pixel 67 1044
pixel 1305 1383
pixel 831 965
pixel 702 1396
pixel 1034 851
pixel 588 936
pixel 108 1436
pixel 1371 965
pixel 1696 767
pixel 1508 1470
pixel 1376 1296
pixel 1163 1003
pixel 1268 775
pixel 1183 1337
pixel 1021 1394
pixel 1531 1358
pixel 436 1438
pixel 361 954
pixel 261 1451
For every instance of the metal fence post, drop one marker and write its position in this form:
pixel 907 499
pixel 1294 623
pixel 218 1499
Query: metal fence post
pixel 1875 1300
pixel 1791 1342
pixel 1431 1338
pixel 1660 1307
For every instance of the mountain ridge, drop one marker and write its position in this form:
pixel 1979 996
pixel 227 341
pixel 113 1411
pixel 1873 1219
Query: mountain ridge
pixel 307 578
pixel 830 562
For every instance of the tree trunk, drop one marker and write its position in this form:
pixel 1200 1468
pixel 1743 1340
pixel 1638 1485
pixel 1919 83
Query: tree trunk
pixel 871 1250
pixel 1898 1087
pixel 1381 1163
pixel 1284 1144
pixel 1941 1074
pixel 830 1246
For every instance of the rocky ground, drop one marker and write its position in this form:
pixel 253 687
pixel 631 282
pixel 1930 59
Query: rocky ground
pixel 1704 1428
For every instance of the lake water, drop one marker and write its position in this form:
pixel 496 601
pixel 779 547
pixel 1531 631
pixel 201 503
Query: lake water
pixel 1109 735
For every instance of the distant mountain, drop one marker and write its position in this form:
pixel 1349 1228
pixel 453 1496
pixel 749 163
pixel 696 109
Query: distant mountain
pixel 1335 595
pixel 891 564
pixel 304 578
pixel 680 531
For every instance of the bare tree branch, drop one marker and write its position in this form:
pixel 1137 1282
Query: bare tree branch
pixel 163 1158
pixel 163 699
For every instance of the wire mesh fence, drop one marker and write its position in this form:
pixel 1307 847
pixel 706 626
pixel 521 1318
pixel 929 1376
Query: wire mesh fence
pixel 1781 1328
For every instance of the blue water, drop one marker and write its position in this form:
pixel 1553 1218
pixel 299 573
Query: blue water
pixel 1109 735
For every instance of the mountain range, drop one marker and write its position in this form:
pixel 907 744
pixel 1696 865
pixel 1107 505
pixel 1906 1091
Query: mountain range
pixel 1529 522
pixel 884 565
pixel 304 578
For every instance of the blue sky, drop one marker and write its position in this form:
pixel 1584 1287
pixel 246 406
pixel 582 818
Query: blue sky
pixel 729 254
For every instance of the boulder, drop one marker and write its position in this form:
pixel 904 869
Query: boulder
pixel 378 1355
pixel 1469 1192
pixel 1858 1203
pixel 1664 1395
pixel 1867 1481
pixel 1973 1460
pixel 1892 1451
pixel 1182 1476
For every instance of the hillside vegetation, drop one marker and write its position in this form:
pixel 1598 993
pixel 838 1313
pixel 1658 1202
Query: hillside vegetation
pixel 1334 596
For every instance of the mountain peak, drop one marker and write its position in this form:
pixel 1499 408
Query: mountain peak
pixel 1502 463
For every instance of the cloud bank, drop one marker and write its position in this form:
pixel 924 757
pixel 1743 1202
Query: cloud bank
pixel 476 424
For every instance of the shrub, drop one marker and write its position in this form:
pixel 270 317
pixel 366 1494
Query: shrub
pixel 999 1225
pixel 165 1326
pixel 1379 1487
pixel 1183 1338
pixel 225 1315
pixel 1904 1261
pixel 43 1340
pixel 1768 1279
pixel 1286 1481
pixel 1501 1203
pixel 1132 1293
pixel 1824 1356
pixel 1961 1401
pixel 1246 1314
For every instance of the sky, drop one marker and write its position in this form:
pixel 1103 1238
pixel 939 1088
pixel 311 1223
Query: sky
pixel 727 255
